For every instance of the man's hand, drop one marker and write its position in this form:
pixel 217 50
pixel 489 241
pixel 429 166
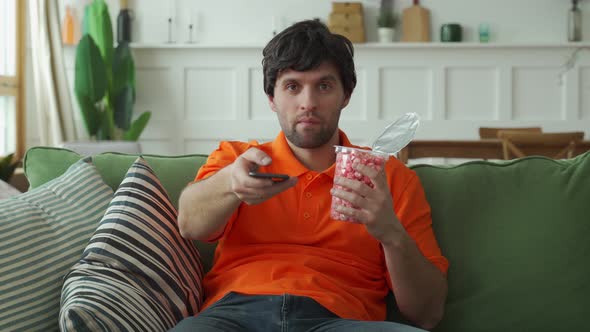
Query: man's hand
pixel 374 205
pixel 252 190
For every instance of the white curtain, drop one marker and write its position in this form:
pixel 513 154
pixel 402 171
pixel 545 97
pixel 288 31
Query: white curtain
pixel 53 101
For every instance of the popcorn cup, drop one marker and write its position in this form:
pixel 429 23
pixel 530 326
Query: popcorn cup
pixel 345 156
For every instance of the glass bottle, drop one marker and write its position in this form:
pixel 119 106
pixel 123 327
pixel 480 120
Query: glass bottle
pixel 68 28
pixel 124 23
pixel 574 23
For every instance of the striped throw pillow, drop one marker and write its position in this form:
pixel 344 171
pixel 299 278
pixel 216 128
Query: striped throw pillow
pixel 137 273
pixel 43 232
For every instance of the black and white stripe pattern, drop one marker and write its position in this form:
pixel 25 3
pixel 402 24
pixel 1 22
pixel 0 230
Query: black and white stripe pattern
pixel 43 232
pixel 137 273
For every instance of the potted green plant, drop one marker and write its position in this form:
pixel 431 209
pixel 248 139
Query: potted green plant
pixel 7 167
pixel 386 22
pixel 105 80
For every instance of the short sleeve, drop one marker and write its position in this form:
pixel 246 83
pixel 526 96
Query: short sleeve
pixel 224 155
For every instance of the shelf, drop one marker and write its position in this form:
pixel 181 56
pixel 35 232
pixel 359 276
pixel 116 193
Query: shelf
pixel 453 45
pixel 372 45
pixel 195 46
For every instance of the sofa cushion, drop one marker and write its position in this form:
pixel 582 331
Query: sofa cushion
pixel 42 164
pixel 516 236
pixel 42 234
pixel 137 273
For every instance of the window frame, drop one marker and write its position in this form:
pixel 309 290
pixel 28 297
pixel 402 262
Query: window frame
pixel 15 85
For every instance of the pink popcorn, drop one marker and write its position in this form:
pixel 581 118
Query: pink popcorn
pixel 345 157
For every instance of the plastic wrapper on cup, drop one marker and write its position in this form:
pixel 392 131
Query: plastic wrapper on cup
pixel 345 157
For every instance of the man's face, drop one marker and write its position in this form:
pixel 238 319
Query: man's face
pixel 308 104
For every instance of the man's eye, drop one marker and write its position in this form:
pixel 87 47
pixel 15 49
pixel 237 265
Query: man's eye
pixel 291 87
pixel 325 86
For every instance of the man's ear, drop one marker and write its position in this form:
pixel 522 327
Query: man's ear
pixel 346 100
pixel 271 102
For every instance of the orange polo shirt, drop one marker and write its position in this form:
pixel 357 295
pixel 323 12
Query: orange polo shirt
pixel 289 244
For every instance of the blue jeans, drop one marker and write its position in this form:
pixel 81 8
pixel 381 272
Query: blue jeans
pixel 284 313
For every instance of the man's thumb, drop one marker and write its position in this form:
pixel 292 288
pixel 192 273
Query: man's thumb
pixel 265 161
pixel 258 156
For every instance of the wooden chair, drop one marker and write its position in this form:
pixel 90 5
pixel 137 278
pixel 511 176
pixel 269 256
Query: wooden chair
pixel 492 132
pixel 521 144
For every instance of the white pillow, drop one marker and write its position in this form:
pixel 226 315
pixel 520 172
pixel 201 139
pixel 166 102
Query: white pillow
pixel 43 232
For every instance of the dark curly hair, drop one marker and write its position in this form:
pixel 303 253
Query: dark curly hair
pixel 304 46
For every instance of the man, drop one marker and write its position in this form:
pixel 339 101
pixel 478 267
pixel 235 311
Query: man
pixel 281 263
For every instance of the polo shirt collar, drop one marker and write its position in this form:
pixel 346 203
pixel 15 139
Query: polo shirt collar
pixel 283 159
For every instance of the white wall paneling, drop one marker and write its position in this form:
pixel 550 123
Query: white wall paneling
pixel 471 93
pixel 210 94
pixel 258 102
pixel 357 106
pixel 538 94
pixel 406 86
pixel 202 94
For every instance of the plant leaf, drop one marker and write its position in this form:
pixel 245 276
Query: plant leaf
pixel 123 68
pixel 7 167
pixel 124 108
pixel 137 127
pixel 90 114
pixel 86 20
pixel 90 79
pixel 5 161
pixel 101 30
pixel 89 82
pixel 107 128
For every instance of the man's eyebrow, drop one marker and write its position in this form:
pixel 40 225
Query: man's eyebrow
pixel 328 77
pixel 287 80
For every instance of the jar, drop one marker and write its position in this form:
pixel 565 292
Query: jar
pixel 451 32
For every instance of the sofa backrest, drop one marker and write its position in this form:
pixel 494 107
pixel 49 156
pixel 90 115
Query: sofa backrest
pixel 516 235
pixel 42 164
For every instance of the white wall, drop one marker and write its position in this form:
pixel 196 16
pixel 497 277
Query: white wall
pixel 247 21
pixel 514 80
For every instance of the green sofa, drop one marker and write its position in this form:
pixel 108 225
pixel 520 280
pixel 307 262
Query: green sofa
pixel 516 233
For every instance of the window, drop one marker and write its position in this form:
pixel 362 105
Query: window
pixel 12 60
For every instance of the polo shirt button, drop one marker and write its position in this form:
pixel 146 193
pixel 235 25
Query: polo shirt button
pixel 306 215
pixel 309 176
pixel 308 194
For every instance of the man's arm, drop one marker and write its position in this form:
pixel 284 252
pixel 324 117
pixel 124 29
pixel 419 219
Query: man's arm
pixel 206 206
pixel 420 288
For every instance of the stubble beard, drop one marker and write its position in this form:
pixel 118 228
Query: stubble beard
pixel 309 138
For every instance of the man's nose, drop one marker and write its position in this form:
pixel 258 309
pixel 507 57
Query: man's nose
pixel 308 100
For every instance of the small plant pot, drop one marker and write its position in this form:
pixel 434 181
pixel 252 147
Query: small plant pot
pixel 385 35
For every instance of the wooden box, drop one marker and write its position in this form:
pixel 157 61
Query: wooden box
pixel 347 7
pixel 354 35
pixel 347 19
